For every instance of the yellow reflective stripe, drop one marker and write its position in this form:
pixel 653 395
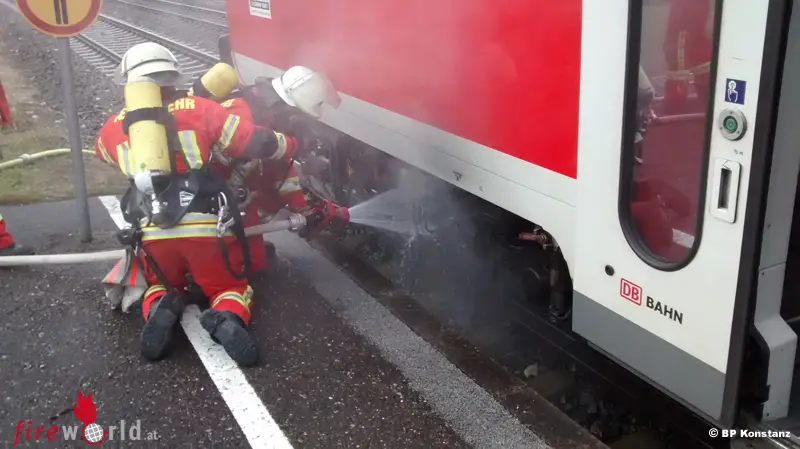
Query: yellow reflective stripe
pixel 197 218
pixel 125 159
pixel 191 149
pixel 227 132
pixel 192 218
pixel 291 185
pixel 181 232
pixel 244 299
pixel 682 50
pixel 1 217
pixel 281 147
pixel 154 289
pixel 104 153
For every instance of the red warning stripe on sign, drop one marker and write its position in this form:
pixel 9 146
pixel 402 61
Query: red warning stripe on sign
pixel 61 11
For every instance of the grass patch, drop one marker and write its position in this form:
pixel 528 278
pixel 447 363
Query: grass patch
pixel 37 127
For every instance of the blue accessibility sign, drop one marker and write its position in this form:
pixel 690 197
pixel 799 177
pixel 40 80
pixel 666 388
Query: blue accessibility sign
pixel 735 91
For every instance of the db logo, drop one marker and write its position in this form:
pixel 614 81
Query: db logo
pixel 630 291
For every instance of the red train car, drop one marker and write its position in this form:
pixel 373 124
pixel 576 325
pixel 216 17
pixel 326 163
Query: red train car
pixel 642 136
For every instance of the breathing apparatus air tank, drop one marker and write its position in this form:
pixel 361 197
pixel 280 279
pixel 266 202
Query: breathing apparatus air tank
pixel 217 83
pixel 147 136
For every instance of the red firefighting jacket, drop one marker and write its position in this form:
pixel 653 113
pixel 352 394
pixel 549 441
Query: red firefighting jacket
pixel 277 183
pixel 202 126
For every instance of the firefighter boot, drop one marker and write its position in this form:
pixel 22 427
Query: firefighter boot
pixel 161 319
pixel 15 249
pixel 228 330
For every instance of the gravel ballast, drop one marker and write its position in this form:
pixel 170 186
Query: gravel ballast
pixel 36 54
pixel 181 29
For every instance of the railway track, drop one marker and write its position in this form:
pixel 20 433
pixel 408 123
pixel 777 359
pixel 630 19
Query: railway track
pixel 213 4
pixel 214 18
pixel 103 45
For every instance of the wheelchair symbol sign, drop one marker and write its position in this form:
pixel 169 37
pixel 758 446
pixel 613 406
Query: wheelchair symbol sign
pixel 735 91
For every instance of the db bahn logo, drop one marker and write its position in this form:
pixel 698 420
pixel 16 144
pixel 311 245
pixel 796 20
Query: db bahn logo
pixel 630 291
pixel 634 294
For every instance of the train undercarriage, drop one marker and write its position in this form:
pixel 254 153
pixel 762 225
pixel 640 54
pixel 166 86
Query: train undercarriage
pixel 350 172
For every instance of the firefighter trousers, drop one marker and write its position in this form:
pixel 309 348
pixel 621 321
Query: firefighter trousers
pixel 201 257
pixel 258 252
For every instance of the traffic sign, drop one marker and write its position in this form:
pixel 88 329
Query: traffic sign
pixel 61 18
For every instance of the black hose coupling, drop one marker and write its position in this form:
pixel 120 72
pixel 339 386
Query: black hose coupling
pixel 129 236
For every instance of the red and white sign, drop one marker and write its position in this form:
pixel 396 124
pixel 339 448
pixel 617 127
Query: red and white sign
pixel 60 18
pixel 630 291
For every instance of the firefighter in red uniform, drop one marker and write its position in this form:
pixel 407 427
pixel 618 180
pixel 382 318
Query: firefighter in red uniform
pixel 687 47
pixel 270 185
pixel 193 227
pixel 8 247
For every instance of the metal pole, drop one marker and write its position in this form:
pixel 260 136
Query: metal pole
pixel 71 111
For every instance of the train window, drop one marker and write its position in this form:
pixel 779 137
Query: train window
pixel 668 109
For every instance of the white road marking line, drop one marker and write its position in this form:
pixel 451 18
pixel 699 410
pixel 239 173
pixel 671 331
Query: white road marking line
pixel 111 203
pixel 250 413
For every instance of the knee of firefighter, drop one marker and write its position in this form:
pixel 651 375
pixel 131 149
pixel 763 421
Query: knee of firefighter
pixel 235 301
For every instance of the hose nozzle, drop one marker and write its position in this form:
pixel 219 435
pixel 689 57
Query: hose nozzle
pixel 342 214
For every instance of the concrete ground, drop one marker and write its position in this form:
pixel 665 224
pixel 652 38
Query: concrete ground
pixel 337 369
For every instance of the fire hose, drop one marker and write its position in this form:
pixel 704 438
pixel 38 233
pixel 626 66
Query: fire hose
pixel 293 222
pixel 25 158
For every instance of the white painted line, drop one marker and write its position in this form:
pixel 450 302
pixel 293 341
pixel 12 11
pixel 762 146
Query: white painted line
pixel 111 203
pixel 253 418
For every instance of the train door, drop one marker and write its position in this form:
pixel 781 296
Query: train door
pixel 677 118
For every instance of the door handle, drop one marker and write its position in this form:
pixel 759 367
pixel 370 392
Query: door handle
pixel 725 194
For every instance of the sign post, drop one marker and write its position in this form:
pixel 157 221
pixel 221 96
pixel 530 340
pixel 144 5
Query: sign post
pixel 62 19
pixel 71 109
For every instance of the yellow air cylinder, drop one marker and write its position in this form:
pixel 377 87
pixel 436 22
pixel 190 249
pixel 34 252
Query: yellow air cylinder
pixel 147 138
pixel 219 81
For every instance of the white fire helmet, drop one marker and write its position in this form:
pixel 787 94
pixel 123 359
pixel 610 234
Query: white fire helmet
pixel 306 90
pixel 151 60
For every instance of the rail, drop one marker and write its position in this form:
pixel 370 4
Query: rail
pixel 104 44
pixel 183 11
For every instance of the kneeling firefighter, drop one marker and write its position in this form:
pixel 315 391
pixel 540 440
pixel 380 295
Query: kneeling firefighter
pixel 268 186
pixel 184 218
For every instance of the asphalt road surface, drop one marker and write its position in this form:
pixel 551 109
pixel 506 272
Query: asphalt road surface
pixel 337 369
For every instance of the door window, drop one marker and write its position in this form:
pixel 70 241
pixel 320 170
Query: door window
pixel 667 127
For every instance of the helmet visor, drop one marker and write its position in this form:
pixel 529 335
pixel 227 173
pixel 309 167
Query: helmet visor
pixel 162 72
